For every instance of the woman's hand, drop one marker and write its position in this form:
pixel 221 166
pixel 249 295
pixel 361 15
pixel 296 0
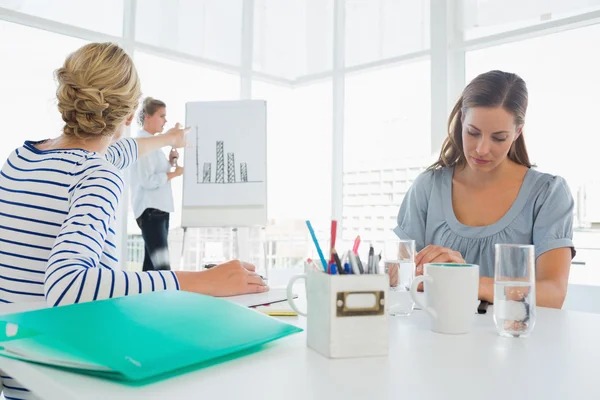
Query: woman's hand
pixel 436 254
pixel 227 279
pixel 173 157
pixel 174 174
pixel 176 136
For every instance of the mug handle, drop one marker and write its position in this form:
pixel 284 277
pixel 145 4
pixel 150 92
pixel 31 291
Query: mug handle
pixel 290 294
pixel 416 298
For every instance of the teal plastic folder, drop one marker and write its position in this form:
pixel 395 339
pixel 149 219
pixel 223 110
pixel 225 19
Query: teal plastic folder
pixel 137 338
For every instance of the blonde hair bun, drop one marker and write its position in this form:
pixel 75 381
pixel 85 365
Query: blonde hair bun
pixel 98 89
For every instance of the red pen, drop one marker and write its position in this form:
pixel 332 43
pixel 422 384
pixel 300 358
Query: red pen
pixel 356 244
pixel 333 235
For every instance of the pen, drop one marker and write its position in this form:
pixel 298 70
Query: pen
pixel 359 264
pixel 312 263
pixel 316 242
pixel 338 263
pixel 371 260
pixel 356 244
pixel 333 269
pixel 333 236
pixel 347 269
pixel 353 263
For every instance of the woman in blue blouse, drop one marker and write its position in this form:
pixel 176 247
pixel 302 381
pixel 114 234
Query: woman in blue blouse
pixel 483 190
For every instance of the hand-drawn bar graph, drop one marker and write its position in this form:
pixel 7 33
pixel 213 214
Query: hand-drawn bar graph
pixel 206 176
pixel 206 173
pixel 243 172
pixel 220 163
pixel 230 168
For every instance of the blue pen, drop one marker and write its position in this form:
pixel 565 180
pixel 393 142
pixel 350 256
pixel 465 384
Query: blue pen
pixel 314 238
pixel 347 269
pixel 333 269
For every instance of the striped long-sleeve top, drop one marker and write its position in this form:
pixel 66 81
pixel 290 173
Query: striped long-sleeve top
pixel 57 229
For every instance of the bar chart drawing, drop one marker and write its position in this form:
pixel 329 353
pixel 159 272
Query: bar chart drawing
pixel 230 168
pixel 225 164
pixel 243 172
pixel 206 173
pixel 219 177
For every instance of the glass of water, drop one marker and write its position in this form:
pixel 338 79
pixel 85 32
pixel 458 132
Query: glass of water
pixel 399 264
pixel 514 290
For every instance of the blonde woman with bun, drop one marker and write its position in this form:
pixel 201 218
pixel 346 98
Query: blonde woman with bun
pixel 59 199
pixel 151 194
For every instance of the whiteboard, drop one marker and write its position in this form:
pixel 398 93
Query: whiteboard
pixel 225 164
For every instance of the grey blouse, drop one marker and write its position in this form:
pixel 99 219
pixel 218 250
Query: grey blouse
pixel 542 215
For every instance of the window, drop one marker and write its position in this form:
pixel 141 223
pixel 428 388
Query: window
pixel 105 17
pixel 293 38
pixel 299 160
pixel 211 29
pixel 28 89
pixel 387 123
pixel 483 18
pixel 381 29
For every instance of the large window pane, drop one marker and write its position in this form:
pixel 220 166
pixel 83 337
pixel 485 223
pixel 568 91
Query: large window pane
pixel 380 29
pixel 105 17
pixel 387 137
pixel 211 29
pixel 561 125
pixel 28 100
pixel 483 18
pixel 299 166
pixel 293 38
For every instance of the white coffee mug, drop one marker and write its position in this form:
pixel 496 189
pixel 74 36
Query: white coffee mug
pixel 451 294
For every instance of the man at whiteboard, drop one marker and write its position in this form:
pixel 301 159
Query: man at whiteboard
pixel 152 197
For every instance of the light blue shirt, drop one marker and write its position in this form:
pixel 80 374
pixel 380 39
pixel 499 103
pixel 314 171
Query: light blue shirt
pixel 542 215
pixel 150 186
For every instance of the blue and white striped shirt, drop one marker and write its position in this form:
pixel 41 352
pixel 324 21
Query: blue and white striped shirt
pixel 57 239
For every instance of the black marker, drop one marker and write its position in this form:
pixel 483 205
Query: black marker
pixel 338 263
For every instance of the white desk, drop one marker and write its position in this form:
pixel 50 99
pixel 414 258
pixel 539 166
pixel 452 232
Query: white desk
pixel 561 360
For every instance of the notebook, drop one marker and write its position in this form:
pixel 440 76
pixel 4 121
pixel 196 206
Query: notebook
pixel 274 295
pixel 138 338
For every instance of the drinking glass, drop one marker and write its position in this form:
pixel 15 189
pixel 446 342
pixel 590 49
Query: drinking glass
pixel 399 264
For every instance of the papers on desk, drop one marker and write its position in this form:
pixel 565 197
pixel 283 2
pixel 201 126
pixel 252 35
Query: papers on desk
pixel 158 333
pixel 260 299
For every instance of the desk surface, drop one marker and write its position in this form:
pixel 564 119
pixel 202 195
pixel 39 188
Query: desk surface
pixel 560 360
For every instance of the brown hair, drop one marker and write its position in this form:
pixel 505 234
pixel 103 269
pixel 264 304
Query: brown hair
pixel 98 89
pixel 491 89
pixel 149 107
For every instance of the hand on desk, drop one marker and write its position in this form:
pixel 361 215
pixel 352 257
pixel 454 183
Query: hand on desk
pixel 227 279
pixel 436 254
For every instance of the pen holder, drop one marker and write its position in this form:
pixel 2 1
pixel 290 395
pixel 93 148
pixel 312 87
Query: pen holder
pixel 347 314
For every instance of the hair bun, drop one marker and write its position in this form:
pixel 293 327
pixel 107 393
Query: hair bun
pixel 98 89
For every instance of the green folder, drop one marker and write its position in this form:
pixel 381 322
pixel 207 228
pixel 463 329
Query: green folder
pixel 138 338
